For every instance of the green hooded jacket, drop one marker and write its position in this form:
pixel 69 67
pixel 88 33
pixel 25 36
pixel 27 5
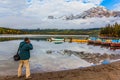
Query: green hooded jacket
pixel 24 50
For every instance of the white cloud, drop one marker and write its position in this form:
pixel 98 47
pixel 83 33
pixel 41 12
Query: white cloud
pixel 45 7
pixel 116 7
pixel 11 7
pixel 33 13
pixel 34 23
pixel 96 2
pixel 58 7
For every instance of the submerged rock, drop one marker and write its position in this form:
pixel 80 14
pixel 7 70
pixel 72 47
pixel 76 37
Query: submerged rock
pixel 94 58
pixel 106 62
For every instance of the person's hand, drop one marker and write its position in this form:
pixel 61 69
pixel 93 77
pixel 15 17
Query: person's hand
pixel 28 41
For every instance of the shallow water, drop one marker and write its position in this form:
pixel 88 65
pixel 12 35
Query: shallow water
pixel 41 61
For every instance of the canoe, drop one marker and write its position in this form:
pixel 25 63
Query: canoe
pixel 57 39
pixel 115 44
pixel 98 41
pixel 79 40
pixel 92 40
pixel 67 40
pixel 106 42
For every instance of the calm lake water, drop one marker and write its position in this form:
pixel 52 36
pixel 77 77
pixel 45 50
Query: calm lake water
pixel 41 61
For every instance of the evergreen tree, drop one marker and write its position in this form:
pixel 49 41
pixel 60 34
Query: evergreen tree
pixel 111 30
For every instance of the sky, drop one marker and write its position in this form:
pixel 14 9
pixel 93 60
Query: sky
pixel 33 13
pixel 111 4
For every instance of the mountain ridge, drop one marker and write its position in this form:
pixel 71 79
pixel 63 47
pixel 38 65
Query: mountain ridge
pixel 98 12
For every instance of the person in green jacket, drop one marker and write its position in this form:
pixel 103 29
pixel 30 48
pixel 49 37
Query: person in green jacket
pixel 24 53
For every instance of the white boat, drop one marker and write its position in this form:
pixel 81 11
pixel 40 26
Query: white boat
pixel 57 39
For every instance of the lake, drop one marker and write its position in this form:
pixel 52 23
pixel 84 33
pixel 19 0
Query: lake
pixel 47 56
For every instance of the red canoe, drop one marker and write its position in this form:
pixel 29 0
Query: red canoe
pixel 115 44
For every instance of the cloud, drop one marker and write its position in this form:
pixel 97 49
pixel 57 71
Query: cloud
pixel 96 2
pixel 43 8
pixel 33 23
pixel 34 13
pixel 116 7
pixel 10 7
pixel 58 7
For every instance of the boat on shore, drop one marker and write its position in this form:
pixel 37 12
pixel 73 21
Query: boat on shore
pixel 80 40
pixel 98 41
pixel 92 40
pixel 115 43
pixel 106 42
pixel 109 42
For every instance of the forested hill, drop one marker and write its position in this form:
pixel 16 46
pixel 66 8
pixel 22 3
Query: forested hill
pixel 93 31
pixel 11 31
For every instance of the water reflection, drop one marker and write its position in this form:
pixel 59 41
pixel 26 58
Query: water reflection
pixel 94 58
pixel 48 56
pixel 40 61
pixel 10 39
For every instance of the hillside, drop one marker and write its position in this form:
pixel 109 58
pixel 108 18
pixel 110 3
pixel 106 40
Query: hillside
pixel 11 31
pixel 93 31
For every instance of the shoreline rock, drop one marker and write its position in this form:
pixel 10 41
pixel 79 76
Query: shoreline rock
pixel 94 58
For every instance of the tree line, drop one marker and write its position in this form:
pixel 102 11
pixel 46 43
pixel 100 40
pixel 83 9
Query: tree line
pixel 93 31
pixel 110 30
pixel 11 31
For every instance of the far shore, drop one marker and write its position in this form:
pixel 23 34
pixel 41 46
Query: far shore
pixel 99 72
pixel 40 36
pixel 37 36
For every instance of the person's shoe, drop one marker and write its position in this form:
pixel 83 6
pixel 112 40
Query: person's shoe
pixel 19 76
pixel 28 78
